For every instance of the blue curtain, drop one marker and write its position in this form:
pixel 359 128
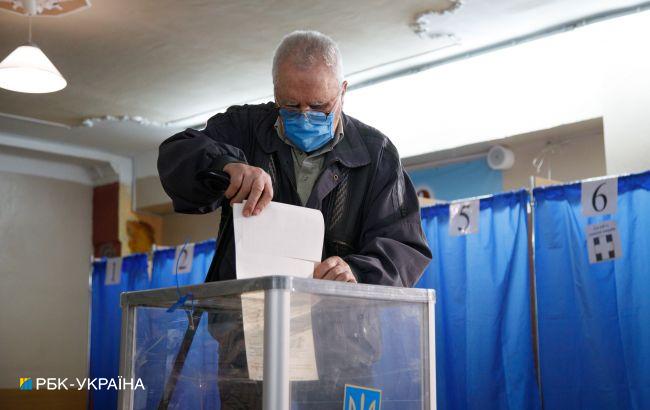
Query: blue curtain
pixel 484 347
pixel 106 320
pixel 594 319
pixel 164 269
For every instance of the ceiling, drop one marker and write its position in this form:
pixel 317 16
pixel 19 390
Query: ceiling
pixel 169 64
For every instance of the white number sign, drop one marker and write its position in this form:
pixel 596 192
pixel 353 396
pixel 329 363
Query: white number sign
pixel 113 271
pixel 464 218
pixel 599 197
pixel 184 258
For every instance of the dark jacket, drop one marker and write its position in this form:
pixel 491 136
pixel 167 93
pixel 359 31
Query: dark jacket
pixel 371 211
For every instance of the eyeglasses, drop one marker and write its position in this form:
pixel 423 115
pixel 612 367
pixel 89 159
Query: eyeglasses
pixel 295 111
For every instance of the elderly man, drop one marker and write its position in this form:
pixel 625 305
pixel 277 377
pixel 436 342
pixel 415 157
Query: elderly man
pixel 303 150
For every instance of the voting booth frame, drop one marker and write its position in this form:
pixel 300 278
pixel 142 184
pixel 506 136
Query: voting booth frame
pixel 277 295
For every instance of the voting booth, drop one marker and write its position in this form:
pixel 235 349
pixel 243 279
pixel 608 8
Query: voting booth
pixel 279 342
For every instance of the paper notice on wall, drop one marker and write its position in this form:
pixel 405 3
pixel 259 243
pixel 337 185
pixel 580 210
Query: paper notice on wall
pixel 282 240
pixel 113 271
pixel 464 218
pixel 603 242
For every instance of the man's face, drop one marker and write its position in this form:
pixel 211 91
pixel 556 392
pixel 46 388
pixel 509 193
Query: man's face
pixel 314 89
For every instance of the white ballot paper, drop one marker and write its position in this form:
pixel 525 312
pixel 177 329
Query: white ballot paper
pixel 282 240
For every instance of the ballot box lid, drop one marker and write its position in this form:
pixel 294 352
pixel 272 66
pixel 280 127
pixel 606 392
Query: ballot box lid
pixel 167 296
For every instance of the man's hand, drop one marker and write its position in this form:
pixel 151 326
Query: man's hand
pixel 251 184
pixel 334 268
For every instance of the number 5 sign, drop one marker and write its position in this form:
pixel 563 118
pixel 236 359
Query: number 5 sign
pixel 599 197
pixel 463 218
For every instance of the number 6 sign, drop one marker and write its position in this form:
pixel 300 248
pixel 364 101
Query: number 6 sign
pixel 599 197
pixel 463 218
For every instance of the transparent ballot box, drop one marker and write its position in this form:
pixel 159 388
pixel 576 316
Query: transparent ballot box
pixel 279 343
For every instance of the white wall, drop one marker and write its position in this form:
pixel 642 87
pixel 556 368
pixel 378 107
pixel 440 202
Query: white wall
pixel 600 70
pixel 146 163
pixel 45 248
pixel 627 98
pixel 577 158
pixel 178 228
pixel 21 164
pixel 149 191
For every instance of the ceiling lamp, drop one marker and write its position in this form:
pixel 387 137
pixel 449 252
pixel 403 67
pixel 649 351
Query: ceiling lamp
pixel 27 69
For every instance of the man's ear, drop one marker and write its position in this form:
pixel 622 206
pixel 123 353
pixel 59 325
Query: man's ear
pixel 344 87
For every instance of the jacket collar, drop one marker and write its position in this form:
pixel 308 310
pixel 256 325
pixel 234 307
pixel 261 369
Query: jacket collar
pixel 351 151
pixel 269 141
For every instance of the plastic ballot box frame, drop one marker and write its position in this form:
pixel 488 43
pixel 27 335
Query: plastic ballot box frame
pixel 384 312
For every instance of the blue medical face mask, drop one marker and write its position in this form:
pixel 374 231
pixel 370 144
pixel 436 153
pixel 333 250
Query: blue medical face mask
pixel 308 130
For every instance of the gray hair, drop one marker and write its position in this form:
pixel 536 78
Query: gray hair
pixel 306 48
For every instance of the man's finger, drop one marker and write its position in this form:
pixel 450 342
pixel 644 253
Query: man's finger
pixel 337 270
pixel 257 188
pixel 266 198
pixel 235 184
pixel 244 189
pixel 346 277
pixel 324 266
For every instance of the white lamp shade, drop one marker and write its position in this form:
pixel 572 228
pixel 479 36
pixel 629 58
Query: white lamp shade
pixel 28 70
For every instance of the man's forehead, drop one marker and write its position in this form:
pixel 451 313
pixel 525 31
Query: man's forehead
pixel 306 95
pixel 314 83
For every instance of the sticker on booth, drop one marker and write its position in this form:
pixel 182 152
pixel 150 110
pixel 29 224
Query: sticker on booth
pixel 599 197
pixel 113 274
pixel 603 242
pixel 464 218
pixel 361 398
pixel 184 258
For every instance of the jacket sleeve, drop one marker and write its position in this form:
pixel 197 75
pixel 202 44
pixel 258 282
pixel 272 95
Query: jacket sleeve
pixel 393 248
pixel 181 157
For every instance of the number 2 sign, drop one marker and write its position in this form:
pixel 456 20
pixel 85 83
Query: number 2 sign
pixel 184 258
pixel 599 197
pixel 463 218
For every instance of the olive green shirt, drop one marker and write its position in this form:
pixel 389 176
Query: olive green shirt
pixel 308 166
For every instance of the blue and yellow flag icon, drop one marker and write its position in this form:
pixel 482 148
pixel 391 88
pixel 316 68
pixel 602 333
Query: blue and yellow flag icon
pixel 25 383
